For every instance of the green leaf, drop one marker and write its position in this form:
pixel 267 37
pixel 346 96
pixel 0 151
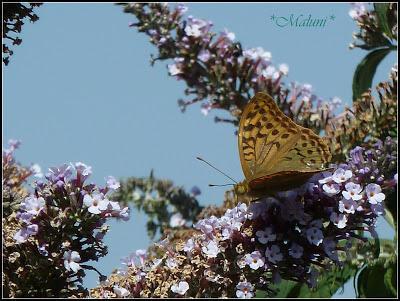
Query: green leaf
pixel 374 282
pixel 389 218
pixel 377 247
pixel 390 278
pixel 391 208
pixel 381 10
pixel 328 284
pixel 365 71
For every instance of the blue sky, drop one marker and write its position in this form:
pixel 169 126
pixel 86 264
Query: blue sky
pixel 80 88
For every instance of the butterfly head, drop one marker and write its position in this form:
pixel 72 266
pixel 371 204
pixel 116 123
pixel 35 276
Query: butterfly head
pixel 241 188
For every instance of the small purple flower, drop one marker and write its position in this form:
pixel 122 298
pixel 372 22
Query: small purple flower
pixel 207 226
pixel 339 220
pixel 33 205
pixel 22 235
pixel 176 220
pixel 71 259
pixel 204 55
pixel 335 103
pixel 356 155
pixel 112 183
pixel 374 193
pixel 314 235
pixel 120 291
pixel 197 27
pixel 95 203
pixel 59 174
pixel 294 210
pixel 357 10
pixel 296 251
pixel 36 170
pixel 330 249
pixel 195 191
pixel 129 261
pixel 24 217
pixel 174 69
pixel 365 170
pixel 226 233
pixel 123 214
pixel 211 250
pixel 14 144
pixel 331 188
pixel 317 223
pixel 171 263
pixel 378 209
pixel 326 179
pixel 348 206
pixel 228 35
pixel 341 175
pixel 268 72
pixel 257 209
pixel 273 254
pixel 83 169
pixel 284 69
pixel 180 288
pixel 266 235
pixel 181 9
pixel 42 250
pixel 241 261
pixel 142 255
pixel 244 289
pixel 254 260
pixel 352 191
pixel 206 108
pixel 189 245
pixel 255 54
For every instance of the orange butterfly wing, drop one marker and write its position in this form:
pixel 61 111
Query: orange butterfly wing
pixel 276 153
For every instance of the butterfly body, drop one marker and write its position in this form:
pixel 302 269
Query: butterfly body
pixel 276 154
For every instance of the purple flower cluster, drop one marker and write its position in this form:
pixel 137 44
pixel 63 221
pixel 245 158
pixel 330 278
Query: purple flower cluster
pixel 372 33
pixel 217 71
pixel 292 235
pixel 358 9
pixel 64 201
pixel 295 231
pixel 375 165
pixel 8 152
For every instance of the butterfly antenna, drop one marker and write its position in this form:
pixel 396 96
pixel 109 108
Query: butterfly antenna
pixel 215 185
pixel 201 159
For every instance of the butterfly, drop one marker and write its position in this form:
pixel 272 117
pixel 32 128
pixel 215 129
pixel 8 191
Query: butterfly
pixel 276 154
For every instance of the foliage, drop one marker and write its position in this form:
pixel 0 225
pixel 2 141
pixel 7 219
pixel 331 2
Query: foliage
pixel 165 205
pixel 13 16
pixel 378 32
